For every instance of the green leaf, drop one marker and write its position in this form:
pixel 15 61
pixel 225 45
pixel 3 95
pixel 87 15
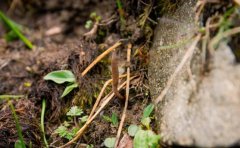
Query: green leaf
pixel 109 142
pixel 90 146
pixel 10 36
pixel 61 76
pixel 106 118
pixel 89 24
pixel 66 124
pixel 74 111
pixel 15 29
pixel 18 144
pixel 114 119
pixel 93 15
pixel 74 131
pixel 84 119
pixel 132 129
pixel 148 110
pixel 61 131
pixel 146 139
pixel 68 89
pixel 146 122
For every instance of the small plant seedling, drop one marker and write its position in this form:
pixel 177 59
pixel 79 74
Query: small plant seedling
pixel 93 18
pixel 75 111
pixel 89 24
pixel 63 132
pixel 15 30
pixel 132 129
pixel 113 119
pixel 148 110
pixel 63 76
pixel 146 116
pixel 109 142
pixel 84 119
pixel 146 138
pixel 64 129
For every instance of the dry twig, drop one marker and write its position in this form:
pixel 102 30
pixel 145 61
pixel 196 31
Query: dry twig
pixel 100 57
pixel 100 95
pixel 214 42
pixel 127 97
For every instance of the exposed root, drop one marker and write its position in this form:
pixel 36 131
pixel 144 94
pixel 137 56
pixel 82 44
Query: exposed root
pixel 127 97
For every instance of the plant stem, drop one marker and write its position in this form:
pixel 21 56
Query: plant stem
pixel 19 130
pixel 42 121
pixel 19 34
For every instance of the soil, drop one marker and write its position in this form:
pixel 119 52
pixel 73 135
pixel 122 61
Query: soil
pixel 22 70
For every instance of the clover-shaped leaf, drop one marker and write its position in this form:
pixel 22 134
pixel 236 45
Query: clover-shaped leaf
pixel 75 111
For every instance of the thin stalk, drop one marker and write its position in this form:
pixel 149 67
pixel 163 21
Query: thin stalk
pixel 19 130
pixel 42 121
pixel 19 34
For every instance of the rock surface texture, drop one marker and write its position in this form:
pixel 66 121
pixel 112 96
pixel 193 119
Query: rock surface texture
pixel 199 110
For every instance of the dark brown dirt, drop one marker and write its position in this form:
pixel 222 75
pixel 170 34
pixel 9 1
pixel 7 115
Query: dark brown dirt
pixel 22 70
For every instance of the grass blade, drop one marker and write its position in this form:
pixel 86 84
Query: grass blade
pixel 42 121
pixel 19 130
pixel 16 30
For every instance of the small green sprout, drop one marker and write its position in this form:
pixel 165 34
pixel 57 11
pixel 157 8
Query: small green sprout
pixel 64 129
pixel 63 132
pixel 146 116
pixel 132 129
pixel 93 18
pixel 62 76
pixel 146 138
pixel 113 119
pixel 75 111
pixel 89 24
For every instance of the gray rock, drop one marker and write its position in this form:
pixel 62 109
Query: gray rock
pixel 203 110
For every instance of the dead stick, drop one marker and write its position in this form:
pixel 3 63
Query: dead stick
pixel 185 58
pixel 100 95
pixel 127 97
pixel 100 57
